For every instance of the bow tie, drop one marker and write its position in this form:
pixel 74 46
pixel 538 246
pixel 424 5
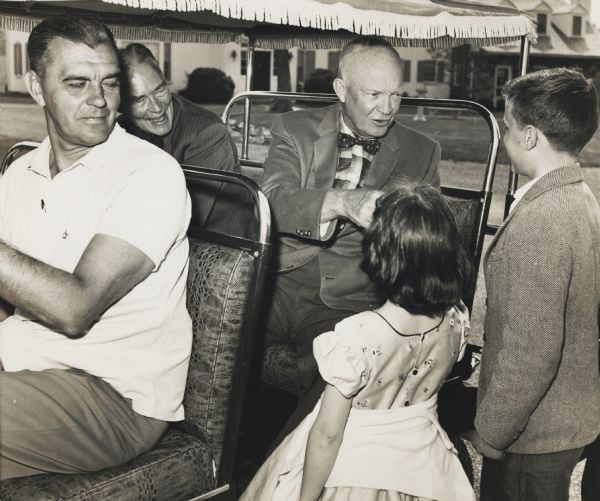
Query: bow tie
pixel 371 146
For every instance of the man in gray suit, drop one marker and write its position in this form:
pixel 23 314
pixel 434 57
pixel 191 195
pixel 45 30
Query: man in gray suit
pixel 539 388
pixel 324 172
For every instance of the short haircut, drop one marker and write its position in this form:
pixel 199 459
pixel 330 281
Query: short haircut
pixel 560 102
pixel 79 30
pixel 413 251
pixel 137 53
pixel 370 41
pixel 133 55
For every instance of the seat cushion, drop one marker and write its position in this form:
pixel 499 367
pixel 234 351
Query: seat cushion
pixel 179 467
pixel 280 368
pixel 217 298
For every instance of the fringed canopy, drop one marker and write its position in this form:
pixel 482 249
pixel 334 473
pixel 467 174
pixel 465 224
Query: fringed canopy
pixel 309 24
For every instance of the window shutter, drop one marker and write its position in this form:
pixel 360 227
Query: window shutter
pixel 441 66
pixel 333 61
pixel 18 59
pixel 420 70
pixel 309 62
pixel 576 26
pixel 406 70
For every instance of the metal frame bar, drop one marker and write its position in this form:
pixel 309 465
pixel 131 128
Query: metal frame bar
pixel 484 195
pixel 249 75
pixel 410 101
pixel 513 178
pixel 200 174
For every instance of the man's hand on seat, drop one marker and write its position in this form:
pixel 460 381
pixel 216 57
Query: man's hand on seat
pixel 356 205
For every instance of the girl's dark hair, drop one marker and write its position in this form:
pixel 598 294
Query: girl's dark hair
pixel 413 251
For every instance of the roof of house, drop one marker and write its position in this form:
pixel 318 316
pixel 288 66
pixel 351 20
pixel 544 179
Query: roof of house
pixel 556 43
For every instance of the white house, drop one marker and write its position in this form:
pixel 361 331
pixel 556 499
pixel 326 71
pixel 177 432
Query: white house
pixel 422 74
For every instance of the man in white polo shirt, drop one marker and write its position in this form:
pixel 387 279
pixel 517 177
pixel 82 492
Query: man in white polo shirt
pixel 95 337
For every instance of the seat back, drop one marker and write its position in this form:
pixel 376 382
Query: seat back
pixel 225 287
pixel 471 209
pixel 217 300
pixel 15 151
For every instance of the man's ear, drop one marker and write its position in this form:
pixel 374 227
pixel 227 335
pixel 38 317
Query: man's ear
pixel 34 86
pixel 339 86
pixel 531 137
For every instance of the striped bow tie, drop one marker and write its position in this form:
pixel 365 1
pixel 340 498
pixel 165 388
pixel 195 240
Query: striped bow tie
pixel 371 146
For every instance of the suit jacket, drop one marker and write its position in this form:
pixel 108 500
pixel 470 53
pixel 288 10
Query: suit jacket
pixel 198 137
pixel 298 172
pixel 539 387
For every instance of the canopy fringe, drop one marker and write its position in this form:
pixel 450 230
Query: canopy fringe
pixel 326 16
pixel 26 24
pixel 338 42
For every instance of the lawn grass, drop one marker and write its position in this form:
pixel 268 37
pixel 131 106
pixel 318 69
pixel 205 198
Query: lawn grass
pixel 463 135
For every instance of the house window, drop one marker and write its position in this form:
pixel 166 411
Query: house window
pixel 426 71
pixel 576 26
pixel 18 59
pixel 406 70
pixel 430 71
pixel 243 62
pixel 542 24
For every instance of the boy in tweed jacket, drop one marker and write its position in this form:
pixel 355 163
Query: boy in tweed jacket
pixel 539 388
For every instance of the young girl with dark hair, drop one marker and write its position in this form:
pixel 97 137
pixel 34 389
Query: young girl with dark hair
pixel 374 435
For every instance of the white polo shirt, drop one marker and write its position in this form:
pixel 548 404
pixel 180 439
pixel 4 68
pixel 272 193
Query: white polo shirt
pixel 126 188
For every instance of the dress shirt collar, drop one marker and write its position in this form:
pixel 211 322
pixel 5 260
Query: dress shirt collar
pixel 520 193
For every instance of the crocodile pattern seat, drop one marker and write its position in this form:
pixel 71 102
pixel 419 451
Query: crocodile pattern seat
pixel 185 462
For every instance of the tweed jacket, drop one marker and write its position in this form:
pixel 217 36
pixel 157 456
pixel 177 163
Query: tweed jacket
pixel 298 172
pixel 539 387
pixel 198 137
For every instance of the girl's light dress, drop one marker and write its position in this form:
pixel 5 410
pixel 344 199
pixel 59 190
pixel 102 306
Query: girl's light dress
pixel 393 446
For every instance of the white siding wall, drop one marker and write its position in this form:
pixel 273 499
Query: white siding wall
pixel 186 57
pixel 564 22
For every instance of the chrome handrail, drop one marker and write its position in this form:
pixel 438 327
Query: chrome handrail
pixel 260 200
pixel 463 104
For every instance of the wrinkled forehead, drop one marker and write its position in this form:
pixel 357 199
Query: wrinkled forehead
pixel 63 54
pixel 143 79
pixel 370 64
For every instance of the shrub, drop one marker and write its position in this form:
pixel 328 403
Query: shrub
pixel 208 85
pixel 319 80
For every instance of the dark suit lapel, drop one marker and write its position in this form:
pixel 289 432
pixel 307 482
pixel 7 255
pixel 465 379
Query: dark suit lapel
pixel 326 150
pixel 385 160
